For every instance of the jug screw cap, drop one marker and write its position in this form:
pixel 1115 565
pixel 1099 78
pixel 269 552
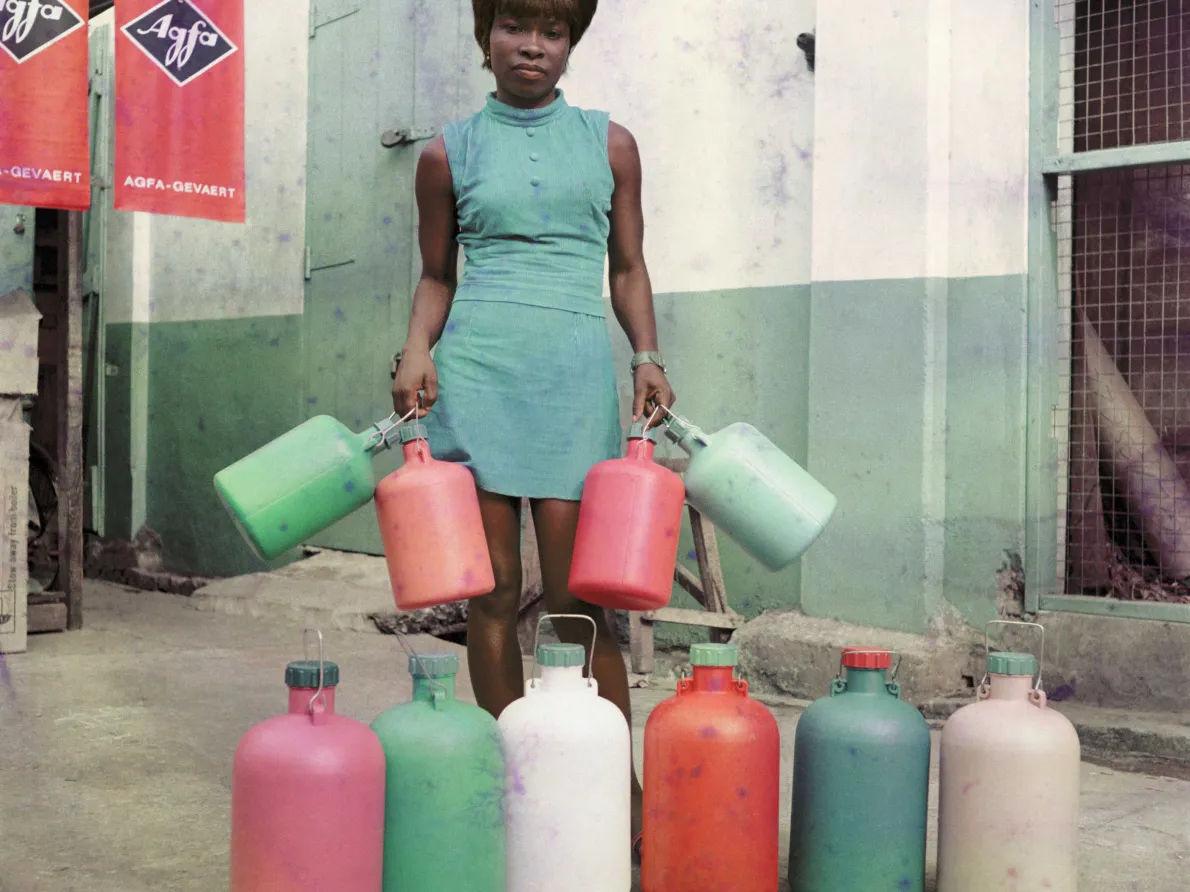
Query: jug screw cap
pixel 304 674
pixel 714 655
pixel 866 658
pixel 638 432
pixel 407 433
pixel 433 665
pixel 561 655
pixel 1003 663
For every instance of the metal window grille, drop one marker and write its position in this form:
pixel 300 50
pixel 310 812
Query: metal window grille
pixel 1122 220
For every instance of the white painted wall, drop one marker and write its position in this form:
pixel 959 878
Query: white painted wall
pixel 921 140
pixel 199 269
pixel 720 101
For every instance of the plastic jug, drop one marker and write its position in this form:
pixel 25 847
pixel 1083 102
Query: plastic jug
pixel 629 522
pixel 444 821
pixel 711 774
pixel 299 484
pixel 431 528
pixel 1009 786
pixel 759 496
pixel 861 769
pixel 568 769
pixel 307 795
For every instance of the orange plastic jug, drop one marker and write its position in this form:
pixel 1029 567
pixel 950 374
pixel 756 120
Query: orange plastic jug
pixel 626 544
pixel 432 529
pixel 712 766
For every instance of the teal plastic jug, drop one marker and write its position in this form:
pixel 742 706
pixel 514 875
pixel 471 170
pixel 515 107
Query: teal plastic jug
pixel 444 815
pixel 761 498
pixel 302 482
pixel 861 769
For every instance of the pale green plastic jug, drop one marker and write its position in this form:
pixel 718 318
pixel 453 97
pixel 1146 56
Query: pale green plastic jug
pixel 760 497
pixel 302 482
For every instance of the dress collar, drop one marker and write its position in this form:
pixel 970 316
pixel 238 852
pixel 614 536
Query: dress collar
pixel 526 117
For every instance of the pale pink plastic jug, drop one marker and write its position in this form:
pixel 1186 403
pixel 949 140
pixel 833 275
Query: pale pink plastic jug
pixel 307 796
pixel 1009 788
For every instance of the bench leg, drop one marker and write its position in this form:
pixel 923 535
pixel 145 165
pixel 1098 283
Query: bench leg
pixel 640 643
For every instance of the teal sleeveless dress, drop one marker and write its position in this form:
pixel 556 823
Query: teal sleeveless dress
pixel 526 386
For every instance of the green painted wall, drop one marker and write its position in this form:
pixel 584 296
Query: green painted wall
pixel 16 251
pixel 917 406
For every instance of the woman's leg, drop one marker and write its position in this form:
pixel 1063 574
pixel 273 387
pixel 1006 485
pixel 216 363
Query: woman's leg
pixel 556 522
pixel 493 652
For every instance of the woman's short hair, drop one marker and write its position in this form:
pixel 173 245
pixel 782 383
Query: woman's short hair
pixel 576 13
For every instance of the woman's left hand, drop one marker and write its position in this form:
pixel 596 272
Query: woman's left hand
pixel 652 390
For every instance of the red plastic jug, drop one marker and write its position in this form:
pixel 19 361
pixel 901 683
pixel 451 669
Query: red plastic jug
pixel 712 774
pixel 629 522
pixel 307 795
pixel 432 529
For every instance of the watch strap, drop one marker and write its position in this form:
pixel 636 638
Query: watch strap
pixel 648 357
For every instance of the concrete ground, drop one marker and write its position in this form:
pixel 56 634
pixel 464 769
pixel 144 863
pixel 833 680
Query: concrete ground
pixel 116 745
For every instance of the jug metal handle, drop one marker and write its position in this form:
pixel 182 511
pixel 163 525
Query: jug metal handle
pixel 837 684
pixel 674 420
pixel 321 667
pixel 379 437
pixel 410 652
pixel 987 647
pixel 590 653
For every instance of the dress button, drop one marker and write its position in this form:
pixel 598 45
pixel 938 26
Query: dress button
pixel 535 157
pixel 529 131
pixel 535 182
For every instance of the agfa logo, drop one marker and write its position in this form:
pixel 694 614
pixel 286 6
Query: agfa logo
pixel 29 26
pixel 180 39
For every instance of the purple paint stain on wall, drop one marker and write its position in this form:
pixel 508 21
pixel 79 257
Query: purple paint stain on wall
pixel 311 401
pixel 284 237
pixel 518 783
pixel 708 732
pixel 388 221
pixel 339 314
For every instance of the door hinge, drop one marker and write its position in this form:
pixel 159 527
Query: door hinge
pixel 307 270
pixel 404 136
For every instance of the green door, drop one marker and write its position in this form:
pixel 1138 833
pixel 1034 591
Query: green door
pixel 385 75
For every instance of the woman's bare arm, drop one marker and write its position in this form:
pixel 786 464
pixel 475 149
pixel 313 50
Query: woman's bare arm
pixel 437 228
pixel 631 291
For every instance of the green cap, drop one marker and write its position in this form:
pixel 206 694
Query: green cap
pixel 638 432
pixel 407 433
pixel 1011 664
pixel 561 655
pixel 714 655
pixel 433 665
pixel 304 674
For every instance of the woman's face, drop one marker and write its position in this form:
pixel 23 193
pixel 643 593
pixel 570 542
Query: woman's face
pixel 529 56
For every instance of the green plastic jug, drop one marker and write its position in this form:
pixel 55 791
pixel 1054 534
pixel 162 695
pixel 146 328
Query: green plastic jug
pixel 444 816
pixel 302 482
pixel 761 498
pixel 861 769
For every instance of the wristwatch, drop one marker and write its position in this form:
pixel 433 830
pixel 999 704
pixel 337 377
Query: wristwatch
pixel 648 357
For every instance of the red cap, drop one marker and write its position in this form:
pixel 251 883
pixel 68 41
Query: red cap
pixel 866 658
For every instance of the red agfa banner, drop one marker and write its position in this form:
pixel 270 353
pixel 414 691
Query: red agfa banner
pixel 44 147
pixel 180 108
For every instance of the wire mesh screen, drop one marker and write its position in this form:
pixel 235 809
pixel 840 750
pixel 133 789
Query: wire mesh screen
pixel 1131 65
pixel 1126 294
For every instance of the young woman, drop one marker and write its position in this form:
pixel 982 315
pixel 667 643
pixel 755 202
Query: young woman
pixel 539 193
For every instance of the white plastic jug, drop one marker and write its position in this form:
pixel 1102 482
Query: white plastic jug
pixel 568 759
pixel 1009 787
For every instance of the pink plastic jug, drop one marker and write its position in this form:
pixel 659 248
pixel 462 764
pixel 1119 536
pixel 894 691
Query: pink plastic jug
pixel 431 528
pixel 307 795
pixel 629 521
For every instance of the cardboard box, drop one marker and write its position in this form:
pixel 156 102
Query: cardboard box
pixel 14 529
pixel 19 321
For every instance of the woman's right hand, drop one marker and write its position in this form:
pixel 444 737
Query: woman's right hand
pixel 415 372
